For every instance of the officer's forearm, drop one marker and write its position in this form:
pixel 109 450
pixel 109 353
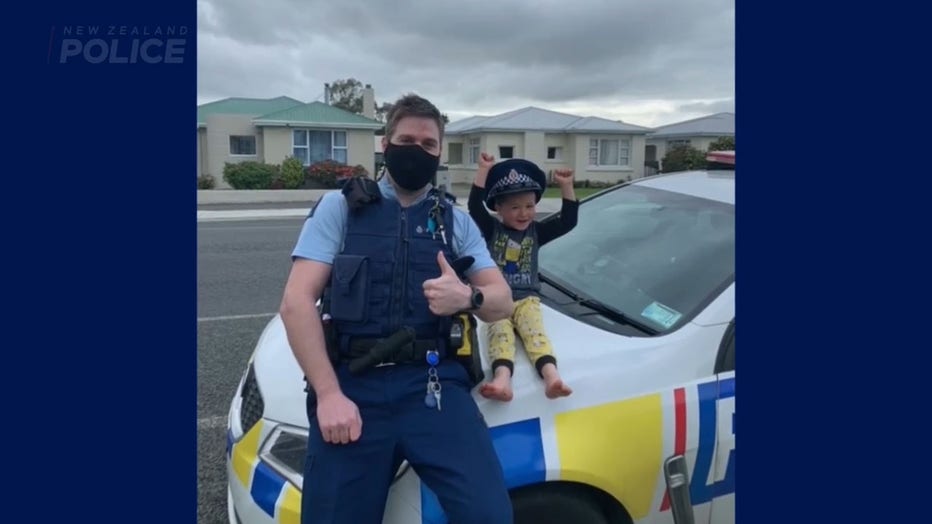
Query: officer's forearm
pixel 306 338
pixel 497 303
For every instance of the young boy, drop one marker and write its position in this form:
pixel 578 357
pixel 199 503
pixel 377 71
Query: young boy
pixel 513 188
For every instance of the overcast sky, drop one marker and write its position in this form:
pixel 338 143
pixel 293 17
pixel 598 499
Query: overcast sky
pixel 646 62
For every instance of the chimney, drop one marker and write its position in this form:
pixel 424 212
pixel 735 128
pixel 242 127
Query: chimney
pixel 327 94
pixel 368 102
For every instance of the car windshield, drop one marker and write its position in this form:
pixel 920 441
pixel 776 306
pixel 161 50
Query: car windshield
pixel 653 257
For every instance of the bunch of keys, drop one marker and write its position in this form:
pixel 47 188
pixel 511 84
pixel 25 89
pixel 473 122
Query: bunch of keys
pixel 435 223
pixel 432 398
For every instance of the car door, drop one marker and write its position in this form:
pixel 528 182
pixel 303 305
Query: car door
pixel 708 408
pixel 711 466
pixel 723 502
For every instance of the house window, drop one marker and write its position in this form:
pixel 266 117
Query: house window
pixel 473 151
pixel 609 152
pixel 554 153
pixel 455 153
pixel 310 146
pixel 677 143
pixel 242 145
pixel 506 151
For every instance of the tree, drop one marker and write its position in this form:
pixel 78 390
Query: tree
pixel 683 158
pixel 723 143
pixel 381 111
pixel 347 94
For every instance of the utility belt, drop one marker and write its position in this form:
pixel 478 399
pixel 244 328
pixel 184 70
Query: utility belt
pixel 403 346
pixel 400 348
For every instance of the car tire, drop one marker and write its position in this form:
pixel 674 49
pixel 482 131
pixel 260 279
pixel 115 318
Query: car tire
pixel 556 506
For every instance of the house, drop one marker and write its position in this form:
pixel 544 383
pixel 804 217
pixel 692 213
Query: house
pixel 597 149
pixel 698 133
pixel 270 130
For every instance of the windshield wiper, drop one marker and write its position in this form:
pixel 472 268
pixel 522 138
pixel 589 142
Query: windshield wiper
pixel 599 307
pixel 612 313
pixel 559 287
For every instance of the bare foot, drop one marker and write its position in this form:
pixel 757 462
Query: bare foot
pixel 555 388
pixel 499 388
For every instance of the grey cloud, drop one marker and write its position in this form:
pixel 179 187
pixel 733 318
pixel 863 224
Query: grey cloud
pixel 721 106
pixel 472 55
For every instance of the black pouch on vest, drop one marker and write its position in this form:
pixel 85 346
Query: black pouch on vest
pixel 360 191
pixel 349 288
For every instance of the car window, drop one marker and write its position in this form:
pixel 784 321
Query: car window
pixel 725 360
pixel 655 256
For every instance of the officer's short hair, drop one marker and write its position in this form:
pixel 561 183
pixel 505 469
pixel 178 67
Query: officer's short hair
pixel 412 105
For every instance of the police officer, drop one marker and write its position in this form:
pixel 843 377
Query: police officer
pixel 382 260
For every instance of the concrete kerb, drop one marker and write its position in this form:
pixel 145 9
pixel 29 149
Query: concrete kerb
pixel 284 196
pixel 258 196
pixel 250 214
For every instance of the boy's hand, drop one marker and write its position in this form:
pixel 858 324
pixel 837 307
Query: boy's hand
pixel 563 177
pixel 486 161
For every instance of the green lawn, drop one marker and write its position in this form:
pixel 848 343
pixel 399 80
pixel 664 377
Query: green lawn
pixel 581 192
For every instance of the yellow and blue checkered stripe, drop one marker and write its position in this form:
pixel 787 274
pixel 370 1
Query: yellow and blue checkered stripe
pixel 624 458
pixel 278 498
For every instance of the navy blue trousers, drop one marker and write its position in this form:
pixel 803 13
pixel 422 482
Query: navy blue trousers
pixel 450 449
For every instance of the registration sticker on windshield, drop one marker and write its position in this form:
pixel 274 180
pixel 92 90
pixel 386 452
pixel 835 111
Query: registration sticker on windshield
pixel 661 314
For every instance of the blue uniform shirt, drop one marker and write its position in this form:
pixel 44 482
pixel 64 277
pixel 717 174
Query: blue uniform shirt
pixel 321 237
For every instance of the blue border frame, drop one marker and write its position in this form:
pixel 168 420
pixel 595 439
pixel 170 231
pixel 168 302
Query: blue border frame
pixel 100 208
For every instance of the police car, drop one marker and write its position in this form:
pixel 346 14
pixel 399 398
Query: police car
pixel 639 301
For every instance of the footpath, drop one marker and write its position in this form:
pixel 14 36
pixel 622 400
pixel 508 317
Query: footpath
pixel 230 204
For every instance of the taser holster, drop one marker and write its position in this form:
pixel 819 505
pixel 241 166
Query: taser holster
pixel 464 342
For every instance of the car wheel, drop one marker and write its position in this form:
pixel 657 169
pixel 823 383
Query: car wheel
pixel 556 506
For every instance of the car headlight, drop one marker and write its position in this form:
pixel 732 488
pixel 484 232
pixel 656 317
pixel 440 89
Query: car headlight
pixel 284 451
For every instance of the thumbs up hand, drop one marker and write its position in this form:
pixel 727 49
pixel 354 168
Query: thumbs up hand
pixel 446 294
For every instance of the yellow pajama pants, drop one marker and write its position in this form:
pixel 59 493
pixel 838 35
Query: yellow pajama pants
pixel 528 322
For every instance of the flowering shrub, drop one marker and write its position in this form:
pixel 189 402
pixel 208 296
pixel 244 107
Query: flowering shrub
pixel 332 174
pixel 359 170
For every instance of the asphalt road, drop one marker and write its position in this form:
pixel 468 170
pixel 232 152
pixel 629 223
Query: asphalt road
pixel 242 267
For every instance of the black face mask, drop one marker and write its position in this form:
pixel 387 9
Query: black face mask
pixel 410 166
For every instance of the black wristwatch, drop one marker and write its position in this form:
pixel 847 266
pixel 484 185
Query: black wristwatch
pixel 477 297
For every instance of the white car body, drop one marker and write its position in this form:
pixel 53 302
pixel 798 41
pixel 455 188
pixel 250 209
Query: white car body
pixel 636 401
